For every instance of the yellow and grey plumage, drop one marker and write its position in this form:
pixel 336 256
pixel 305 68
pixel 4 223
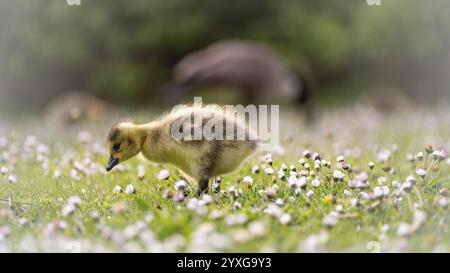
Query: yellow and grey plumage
pixel 200 159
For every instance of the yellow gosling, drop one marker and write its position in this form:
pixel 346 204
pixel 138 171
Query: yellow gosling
pixel 199 158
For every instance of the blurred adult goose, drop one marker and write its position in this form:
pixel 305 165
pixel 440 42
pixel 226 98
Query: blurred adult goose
pixel 252 68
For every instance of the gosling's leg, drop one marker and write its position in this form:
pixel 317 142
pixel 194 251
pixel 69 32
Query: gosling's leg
pixel 208 165
pixel 202 186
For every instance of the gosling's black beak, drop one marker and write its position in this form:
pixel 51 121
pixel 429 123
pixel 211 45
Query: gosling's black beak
pixel 111 163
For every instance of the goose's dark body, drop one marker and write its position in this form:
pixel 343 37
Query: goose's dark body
pixel 253 68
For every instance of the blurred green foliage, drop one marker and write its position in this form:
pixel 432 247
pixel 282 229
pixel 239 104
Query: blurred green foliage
pixel 124 50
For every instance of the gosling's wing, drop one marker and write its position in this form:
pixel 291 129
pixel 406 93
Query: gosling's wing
pixel 194 127
pixel 209 123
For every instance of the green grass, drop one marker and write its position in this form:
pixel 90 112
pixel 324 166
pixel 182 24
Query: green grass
pixel 31 216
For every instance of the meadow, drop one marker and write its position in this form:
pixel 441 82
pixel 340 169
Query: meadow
pixel 353 180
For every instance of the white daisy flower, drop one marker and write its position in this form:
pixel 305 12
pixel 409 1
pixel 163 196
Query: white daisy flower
pixel 307 154
pixel 23 221
pixel 72 204
pixel 74 174
pixel 439 155
pixel 178 197
pixel 314 243
pixel 207 199
pixel 75 200
pixel 233 192
pixel 141 171
pixel 330 220
pixel 12 178
pixel 281 174
pixel 192 204
pixel 257 228
pixel 269 171
pixel 201 203
pixel 248 179
pixel 315 182
pixel 410 179
pixel 273 210
pixel 385 190
pixel 180 185
pixel 419 156
pixel 235 219
pixel 279 202
pixel 267 156
pixel 354 202
pixel 4 170
pixel 285 218
pixel 365 195
pixel 410 157
pixel 129 189
pixel 316 156
pixel 420 172
pixel 269 193
pixel 381 180
pixel 117 189
pixel 340 158
pixel 237 205
pixel 419 218
pixel 292 182
pixel 395 184
pixel 384 155
pixel 362 176
pixel 163 174
pixel 301 182
pixel 338 175
pixel 377 192
pixel 68 209
pixel 215 214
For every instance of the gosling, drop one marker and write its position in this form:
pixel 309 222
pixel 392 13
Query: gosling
pixel 172 139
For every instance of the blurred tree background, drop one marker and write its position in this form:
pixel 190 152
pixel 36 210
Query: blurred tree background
pixel 124 50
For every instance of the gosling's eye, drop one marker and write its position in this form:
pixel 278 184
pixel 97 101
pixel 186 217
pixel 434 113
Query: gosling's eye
pixel 116 147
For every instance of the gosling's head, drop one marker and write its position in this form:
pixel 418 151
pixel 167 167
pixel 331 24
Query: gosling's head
pixel 123 143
